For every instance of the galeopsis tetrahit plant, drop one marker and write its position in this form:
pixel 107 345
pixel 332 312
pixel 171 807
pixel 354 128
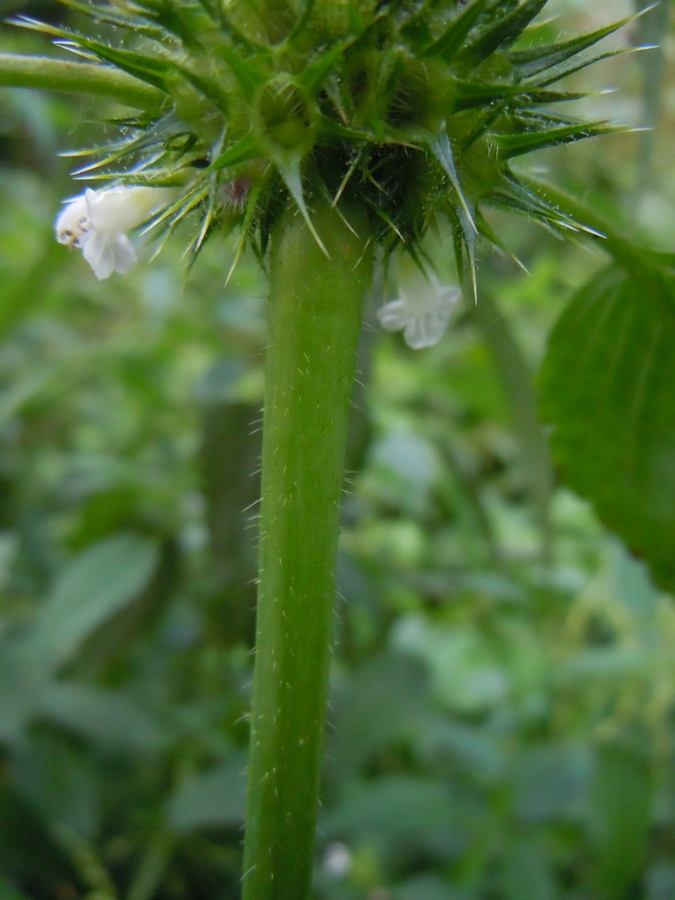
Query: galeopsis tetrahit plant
pixel 322 130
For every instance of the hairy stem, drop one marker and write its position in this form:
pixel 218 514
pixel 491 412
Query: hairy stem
pixel 78 78
pixel 314 320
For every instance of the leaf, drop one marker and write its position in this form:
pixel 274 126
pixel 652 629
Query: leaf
pixel 384 703
pixel 528 869
pixel 107 717
pixel 24 390
pixel 62 778
pixel 28 849
pixel 428 887
pixel 22 682
pixel 550 783
pixel 390 808
pixel 97 584
pixel 606 387
pixel 620 819
pixel 216 798
pixel 7 892
pixel 466 673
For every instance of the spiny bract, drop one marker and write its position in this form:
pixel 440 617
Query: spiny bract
pixel 414 108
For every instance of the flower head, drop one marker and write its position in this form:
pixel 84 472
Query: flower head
pixel 97 222
pixel 412 110
pixel 422 311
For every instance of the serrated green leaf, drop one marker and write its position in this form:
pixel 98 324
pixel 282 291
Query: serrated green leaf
pixel 606 389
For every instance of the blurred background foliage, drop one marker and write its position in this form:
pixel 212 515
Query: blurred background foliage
pixel 502 717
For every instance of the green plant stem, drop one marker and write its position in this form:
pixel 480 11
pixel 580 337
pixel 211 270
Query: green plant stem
pixel 314 319
pixel 78 78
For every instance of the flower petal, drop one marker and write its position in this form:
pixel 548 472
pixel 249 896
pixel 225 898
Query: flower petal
pixel 72 223
pixel 120 209
pixel 427 329
pixel 393 316
pixel 125 255
pixel 107 253
pixel 422 313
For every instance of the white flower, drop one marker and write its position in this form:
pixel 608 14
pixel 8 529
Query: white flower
pixel 97 222
pixel 422 311
pixel 337 861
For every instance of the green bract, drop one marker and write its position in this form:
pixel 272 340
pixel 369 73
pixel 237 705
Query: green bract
pixel 415 107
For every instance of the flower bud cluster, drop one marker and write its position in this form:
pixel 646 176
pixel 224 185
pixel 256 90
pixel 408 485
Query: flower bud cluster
pixel 413 109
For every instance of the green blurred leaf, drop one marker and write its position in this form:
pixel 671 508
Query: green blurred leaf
pixel 214 799
pixel 28 849
pixel 466 674
pixel 13 398
pixel 620 818
pixel 660 881
pixel 62 779
pixel 390 808
pixel 100 582
pixel 612 663
pixel 630 583
pixel 607 391
pixel 428 887
pixel 528 874
pixel 7 892
pixel 551 783
pixel 110 719
pixel 384 702
pixel 21 685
